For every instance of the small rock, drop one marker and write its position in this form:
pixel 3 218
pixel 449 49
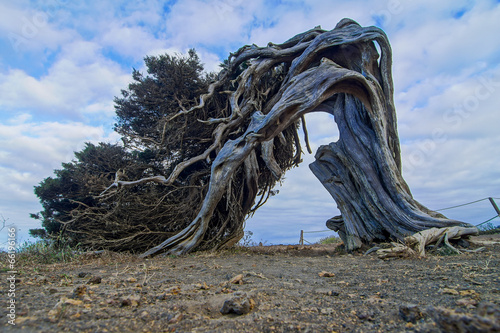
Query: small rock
pixel 451 321
pixel 327 311
pixel 489 309
pixel 239 305
pixel 172 291
pixel 410 312
pixel 366 315
pixel 132 300
pixel 470 292
pixel 332 293
pixel 73 301
pixel 238 279
pixel 125 302
pixel 448 291
pixel 79 292
pixel 467 302
pixel 175 319
pixel 53 290
pixel 145 315
pixel 202 286
pixel 83 274
pixel 312 309
pixel 95 280
pixel 326 274
pixel 54 314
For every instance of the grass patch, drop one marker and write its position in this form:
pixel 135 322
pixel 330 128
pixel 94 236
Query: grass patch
pixel 45 252
pixel 488 229
pixel 330 240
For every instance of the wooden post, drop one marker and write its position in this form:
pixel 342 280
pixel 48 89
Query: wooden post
pixel 301 241
pixel 495 206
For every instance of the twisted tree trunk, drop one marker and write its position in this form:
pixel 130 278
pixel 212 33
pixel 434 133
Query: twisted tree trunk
pixel 361 173
pixel 339 72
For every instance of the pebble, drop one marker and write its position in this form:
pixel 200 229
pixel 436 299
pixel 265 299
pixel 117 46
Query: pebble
pixel 448 291
pixel 238 279
pixel 131 300
pixel 450 321
pixel 145 315
pixel 240 305
pixel 79 292
pixel 175 319
pixel 467 302
pixel 410 312
pixel 95 280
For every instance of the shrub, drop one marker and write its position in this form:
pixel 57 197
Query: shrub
pixel 330 240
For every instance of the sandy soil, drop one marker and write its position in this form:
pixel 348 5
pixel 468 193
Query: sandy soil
pixel 260 289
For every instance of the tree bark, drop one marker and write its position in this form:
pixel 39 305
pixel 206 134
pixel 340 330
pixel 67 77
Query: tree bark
pixel 339 72
pixel 362 177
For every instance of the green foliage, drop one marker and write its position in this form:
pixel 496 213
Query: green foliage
pixel 46 252
pixel 330 240
pixel 154 144
pixel 163 121
pixel 38 233
pixel 77 184
pixel 488 228
pixel 171 83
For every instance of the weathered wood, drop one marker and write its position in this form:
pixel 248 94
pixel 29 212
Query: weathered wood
pixel 339 72
pixel 360 173
pixel 494 204
pixel 416 243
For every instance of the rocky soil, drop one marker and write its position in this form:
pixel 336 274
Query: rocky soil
pixel 315 288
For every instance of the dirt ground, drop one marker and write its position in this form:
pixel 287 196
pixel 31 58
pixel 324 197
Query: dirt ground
pixel 315 288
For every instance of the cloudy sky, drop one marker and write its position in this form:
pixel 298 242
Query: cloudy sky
pixel 62 62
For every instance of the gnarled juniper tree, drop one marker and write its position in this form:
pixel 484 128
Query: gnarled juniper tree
pixel 217 158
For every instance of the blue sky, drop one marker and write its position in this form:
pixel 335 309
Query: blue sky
pixel 62 62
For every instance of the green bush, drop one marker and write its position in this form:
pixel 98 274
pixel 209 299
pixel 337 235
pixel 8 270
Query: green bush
pixel 330 240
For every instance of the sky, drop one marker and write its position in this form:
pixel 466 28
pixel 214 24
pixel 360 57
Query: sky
pixel 62 62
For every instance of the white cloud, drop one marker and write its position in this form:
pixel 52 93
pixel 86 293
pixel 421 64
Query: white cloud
pixel 79 81
pixel 454 106
pixel 31 29
pixel 425 47
pixel 454 172
pixel 30 152
pixel 134 42
pixel 193 22
pixel 38 148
